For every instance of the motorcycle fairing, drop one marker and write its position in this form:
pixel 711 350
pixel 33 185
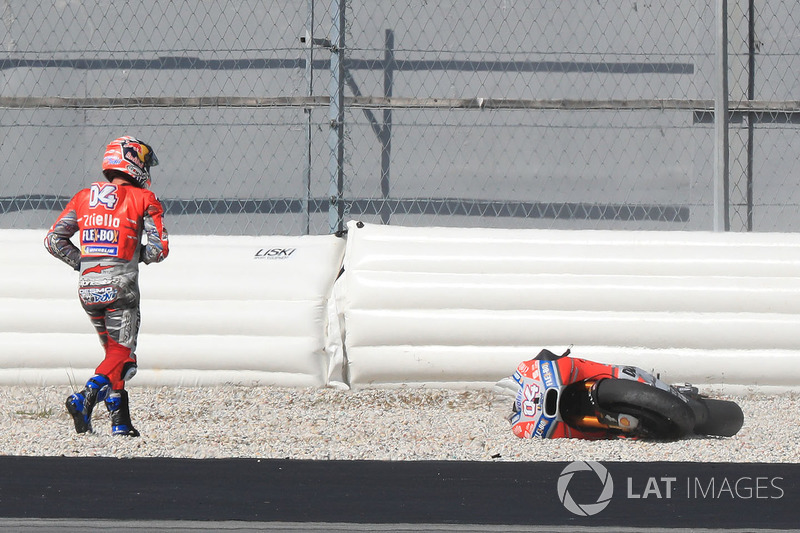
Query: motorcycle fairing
pixel 536 404
pixel 546 377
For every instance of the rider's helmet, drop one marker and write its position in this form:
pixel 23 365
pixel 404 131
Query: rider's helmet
pixel 132 157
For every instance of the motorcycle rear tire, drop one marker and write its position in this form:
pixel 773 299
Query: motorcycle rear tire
pixel 724 418
pixel 661 414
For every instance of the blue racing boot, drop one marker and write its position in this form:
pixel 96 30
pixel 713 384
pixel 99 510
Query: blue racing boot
pixel 117 405
pixel 80 404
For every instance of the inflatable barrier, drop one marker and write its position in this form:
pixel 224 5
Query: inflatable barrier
pixel 445 306
pixel 391 306
pixel 245 310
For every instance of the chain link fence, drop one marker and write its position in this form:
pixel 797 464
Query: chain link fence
pixel 292 117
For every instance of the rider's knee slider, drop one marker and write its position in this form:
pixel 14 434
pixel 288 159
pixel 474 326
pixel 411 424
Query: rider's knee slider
pixel 128 371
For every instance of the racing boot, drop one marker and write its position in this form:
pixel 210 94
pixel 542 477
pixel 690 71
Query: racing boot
pixel 117 405
pixel 80 404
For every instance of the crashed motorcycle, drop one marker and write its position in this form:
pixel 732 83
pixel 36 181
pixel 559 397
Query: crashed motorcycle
pixel 566 397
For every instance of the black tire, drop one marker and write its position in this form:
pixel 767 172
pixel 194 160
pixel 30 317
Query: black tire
pixel 723 418
pixel 661 414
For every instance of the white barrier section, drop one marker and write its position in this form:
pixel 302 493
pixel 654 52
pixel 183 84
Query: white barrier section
pixel 462 307
pixel 244 310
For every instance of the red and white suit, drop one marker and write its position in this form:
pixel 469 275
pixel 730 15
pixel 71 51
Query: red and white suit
pixel 111 221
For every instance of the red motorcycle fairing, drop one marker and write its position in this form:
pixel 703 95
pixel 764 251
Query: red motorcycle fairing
pixel 541 382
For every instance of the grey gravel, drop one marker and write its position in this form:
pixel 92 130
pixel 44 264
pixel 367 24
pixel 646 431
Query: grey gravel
pixel 368 424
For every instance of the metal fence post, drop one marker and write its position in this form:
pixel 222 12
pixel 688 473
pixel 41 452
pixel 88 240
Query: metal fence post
pixel 751 94
pixel 721 148
pixel 336 118
pixel 309 73
pixel 386 129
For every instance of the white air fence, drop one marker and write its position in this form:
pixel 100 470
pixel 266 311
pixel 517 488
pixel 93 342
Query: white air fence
pixel 389 306
pixel 249 310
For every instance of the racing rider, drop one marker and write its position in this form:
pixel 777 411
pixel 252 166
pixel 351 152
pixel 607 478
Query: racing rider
pixel 111 219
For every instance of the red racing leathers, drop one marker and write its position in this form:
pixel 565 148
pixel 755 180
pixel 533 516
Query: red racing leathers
pixel 111 219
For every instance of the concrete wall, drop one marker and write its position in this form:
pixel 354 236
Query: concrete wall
pixel 512 50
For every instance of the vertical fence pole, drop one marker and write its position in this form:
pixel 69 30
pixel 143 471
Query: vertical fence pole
pixel 307 110
pixel 336 118
pixel 751 117
pixel 721 119
pixel 386 129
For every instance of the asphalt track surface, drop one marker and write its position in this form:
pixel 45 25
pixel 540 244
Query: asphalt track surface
pixel 54 493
